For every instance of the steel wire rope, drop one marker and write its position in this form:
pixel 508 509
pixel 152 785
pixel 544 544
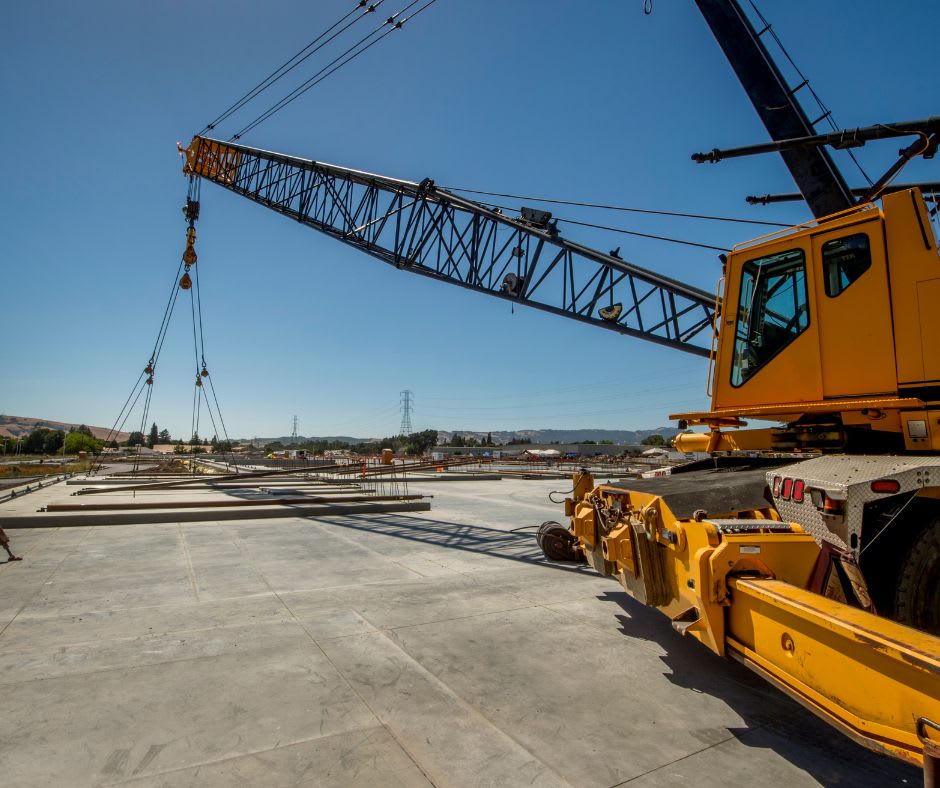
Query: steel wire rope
pixel 804 81
pixel 623 208
pixel 285 68
pixel 114 427
pixel 624 231
pixel 645 235
pixel 197 402
pixel 209 411
pixel 121 425
pixel 208 377
pixel 154 356
pixel 143 423
pixel 393 23
pixel 218 408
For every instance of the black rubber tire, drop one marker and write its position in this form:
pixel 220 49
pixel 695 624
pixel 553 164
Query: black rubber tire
pixel 917 597
pixel 557 542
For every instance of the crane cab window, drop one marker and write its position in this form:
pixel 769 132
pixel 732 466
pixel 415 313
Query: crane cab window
pixel 844 261
pixel 772 311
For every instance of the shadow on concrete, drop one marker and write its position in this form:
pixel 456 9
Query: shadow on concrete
pixel 512 546
pixel 782 725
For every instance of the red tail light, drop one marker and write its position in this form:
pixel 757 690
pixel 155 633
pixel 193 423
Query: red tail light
pixel 787 489
pixel 799 486
pixel 886 486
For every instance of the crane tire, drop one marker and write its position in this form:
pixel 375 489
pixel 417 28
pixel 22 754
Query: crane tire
pixel 917 597
pixel 557 542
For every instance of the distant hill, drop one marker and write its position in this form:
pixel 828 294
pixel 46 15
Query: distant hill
pixel 563 436
pixel 286 439
pixel 21 426
pixel 505 436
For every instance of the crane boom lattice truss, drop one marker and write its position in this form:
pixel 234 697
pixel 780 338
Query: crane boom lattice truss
pixel 425 230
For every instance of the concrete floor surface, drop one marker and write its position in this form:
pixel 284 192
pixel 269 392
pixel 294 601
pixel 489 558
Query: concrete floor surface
pixel 395 650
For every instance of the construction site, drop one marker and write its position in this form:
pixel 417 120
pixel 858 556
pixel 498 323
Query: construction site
pixel 420 642
pixel 752 596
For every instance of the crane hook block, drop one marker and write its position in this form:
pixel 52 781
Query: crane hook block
pixel 189 256
pixel 185 282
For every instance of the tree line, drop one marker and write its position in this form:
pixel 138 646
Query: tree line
pixel 413 444
pixel 42 440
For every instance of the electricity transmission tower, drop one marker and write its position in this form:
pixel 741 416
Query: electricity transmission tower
pixel 407 403
pixel 293 433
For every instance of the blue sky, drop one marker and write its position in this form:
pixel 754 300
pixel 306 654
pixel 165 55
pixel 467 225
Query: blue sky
pixel 587 100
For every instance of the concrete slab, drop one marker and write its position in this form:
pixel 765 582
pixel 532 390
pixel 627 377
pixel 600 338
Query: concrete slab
pixel 362 757
pixel 402 649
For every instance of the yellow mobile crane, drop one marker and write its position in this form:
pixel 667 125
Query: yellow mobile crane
pixel 809 551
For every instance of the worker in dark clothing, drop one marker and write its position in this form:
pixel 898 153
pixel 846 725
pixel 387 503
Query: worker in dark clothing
pixel 5 541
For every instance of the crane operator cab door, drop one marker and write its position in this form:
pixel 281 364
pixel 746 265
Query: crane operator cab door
pixel 856 341
pixel 807 318
pixel 769 345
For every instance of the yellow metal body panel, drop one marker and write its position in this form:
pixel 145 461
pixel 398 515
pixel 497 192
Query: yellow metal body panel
pixel 682 565
pixel 739 440
pixel 737 586
pixel 786 411
pixel 870 677
pixel 856 340
pixel 871 347
pixel 795 373
pixel 213 160
pixel 928 308
pixel 913 265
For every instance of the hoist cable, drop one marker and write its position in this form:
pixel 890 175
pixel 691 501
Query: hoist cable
pixel 168 311
pixel 197 403
pixel 114 427
pixel 393 23
pixel 222 421
pixel 154 357
pixel 622 208
pixel 143 423
pixel 285 68
pixel 202 341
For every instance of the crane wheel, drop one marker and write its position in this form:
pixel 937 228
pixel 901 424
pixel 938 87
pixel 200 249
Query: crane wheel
pixel 557 542
pixel 917 598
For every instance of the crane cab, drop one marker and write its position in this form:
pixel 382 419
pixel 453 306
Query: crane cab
pixel 834 328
